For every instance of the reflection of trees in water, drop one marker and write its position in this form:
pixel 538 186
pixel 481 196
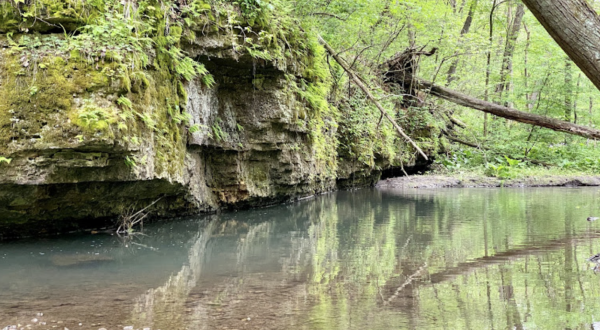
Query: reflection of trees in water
pixel 164 307
pixel 351 264
pixel 353 254
pixel 521 271
pixel 530 291
pixel 168 306
pixel 257 232
pixel 482 247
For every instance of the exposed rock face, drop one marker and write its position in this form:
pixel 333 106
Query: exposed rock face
pixel 249 150
pixel 74 153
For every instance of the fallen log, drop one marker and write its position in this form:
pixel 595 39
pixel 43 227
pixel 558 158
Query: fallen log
pixel 505 112
pixel 463 142
pixel 456 121
pixel 364 88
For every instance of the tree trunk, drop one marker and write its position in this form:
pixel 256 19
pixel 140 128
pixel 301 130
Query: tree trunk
pixel 576 28
pixel 452 4
pixel 509 49
pixel 412 34
pixel 568 91
pixel 488 68
pixel 465 29
pixel 505 112
pixel 576 98
pixel 530 97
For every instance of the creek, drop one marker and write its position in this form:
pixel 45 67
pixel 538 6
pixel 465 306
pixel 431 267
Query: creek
pixel 368 259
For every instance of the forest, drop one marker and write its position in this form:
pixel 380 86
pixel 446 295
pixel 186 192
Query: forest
pixel 479 54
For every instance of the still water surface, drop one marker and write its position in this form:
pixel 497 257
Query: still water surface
pixel 368 259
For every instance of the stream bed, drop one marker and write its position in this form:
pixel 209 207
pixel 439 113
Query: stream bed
pixel 473 258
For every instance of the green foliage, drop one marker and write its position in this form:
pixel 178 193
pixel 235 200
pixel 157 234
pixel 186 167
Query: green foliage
pixel 186 68
pixel 218 133
pixel 363 136
pixel 94 119
pixel 512 162
pixel 5 160
pixel 147 119
pixel 194 128
pixel 499 171
pixel 125 102
pixel 368 32
pixel 116 32
pixel 456 160
pixel 130 162
pixel 113 37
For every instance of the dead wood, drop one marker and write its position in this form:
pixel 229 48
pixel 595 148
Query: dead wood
pixel 366 90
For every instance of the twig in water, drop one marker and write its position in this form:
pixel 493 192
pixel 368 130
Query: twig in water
pixel 126 222
pixel 407 282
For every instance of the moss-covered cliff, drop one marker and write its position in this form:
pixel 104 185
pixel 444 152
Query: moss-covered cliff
pixel 109 105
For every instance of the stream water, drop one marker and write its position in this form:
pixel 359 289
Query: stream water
pixel 368 259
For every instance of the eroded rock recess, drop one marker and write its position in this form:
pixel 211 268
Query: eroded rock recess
pixel 89 130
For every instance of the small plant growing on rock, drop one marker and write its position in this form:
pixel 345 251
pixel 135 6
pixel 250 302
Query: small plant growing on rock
pixel 130 162
pixel 194 128
pixel 218 133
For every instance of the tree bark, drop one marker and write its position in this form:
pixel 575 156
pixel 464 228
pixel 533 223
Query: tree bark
pixel 575 26
pixel 506 112
pixel 575 99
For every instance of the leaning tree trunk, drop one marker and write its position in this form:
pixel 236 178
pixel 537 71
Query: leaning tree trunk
pixel 395 72
pixel 576 28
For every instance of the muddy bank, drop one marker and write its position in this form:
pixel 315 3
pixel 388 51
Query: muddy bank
pixel 476 181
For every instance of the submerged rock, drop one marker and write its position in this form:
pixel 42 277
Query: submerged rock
pixel 66 260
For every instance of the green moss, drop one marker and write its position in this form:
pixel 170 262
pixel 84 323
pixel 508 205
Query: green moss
pixel 175 33
pixel 93 119
pixel 23 115
pixel 25 16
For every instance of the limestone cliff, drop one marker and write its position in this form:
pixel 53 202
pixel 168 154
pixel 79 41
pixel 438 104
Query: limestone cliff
pixel 206 109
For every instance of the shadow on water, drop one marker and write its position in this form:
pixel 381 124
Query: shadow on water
pixel 369 259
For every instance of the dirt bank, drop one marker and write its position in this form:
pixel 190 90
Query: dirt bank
pixel 469 181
